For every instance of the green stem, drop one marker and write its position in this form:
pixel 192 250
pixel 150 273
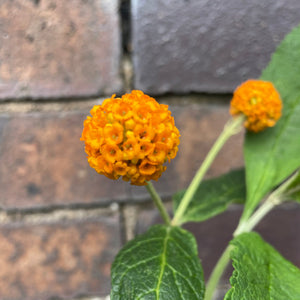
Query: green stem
pixel 274 199
pixel 225 258
pixel 217 273
pixel 158 202
pixel 231 128
pixel 255 218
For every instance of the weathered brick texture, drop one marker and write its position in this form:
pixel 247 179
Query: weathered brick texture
pixel 65 259
pixel 205 46
pixel 43 164
pixel 71 49
pixel 55 48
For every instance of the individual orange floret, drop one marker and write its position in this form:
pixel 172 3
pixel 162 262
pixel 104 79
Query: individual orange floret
pixel 111 152
pixel 122 112
pixel 145 149
pixel 159 154
pixel 121 168
pixel 130 137
pixel 147 167
pixel 131 149
pixel 144 132
pixel 259 101
pixel 113 133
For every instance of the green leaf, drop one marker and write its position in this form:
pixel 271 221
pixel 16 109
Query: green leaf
pixel 272 155
pixel 213 196
pixel 261 272
pixel 161 264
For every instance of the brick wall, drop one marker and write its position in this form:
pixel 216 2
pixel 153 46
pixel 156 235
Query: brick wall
pixel 61 223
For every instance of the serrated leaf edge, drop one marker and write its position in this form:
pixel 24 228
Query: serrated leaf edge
pixel 163 256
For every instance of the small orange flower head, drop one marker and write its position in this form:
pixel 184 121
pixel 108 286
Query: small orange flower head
pixel 130 137
pixel 259 101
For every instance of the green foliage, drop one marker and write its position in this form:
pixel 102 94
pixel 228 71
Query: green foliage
pixel 261 272
pixel 272 155
pixel 213 196
pixel 160 264
pixel 163 263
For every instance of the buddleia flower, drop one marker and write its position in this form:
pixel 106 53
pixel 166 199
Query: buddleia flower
pixel 259 102
pixel 130 137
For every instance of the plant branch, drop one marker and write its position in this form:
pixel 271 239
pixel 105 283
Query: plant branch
pixel 231 128
pixel 274 199
pixel 225 258
pixel 158 202
pixel 293 190
pixel 257 216
pixel 217 273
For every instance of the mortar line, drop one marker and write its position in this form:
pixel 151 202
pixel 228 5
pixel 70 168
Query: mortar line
pixel 7 217
pixel 126 51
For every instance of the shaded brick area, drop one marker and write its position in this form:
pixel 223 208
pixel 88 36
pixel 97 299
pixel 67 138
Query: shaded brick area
pixel 63 259
pixel 43 163
pixel 205 46
pixel 54 48
pixel 279 228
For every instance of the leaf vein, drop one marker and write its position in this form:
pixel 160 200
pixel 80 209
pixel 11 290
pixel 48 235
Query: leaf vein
pixel 163 265
pixel 185 279
pixel 138 244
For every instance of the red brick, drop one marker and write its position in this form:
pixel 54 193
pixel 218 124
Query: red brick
pixel 67 259
pixel 43 163
pixel 55 48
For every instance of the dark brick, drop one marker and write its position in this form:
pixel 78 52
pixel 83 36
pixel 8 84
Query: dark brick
pixel 205 46
pixel 279 228
pixel 64 260
pixel 54 48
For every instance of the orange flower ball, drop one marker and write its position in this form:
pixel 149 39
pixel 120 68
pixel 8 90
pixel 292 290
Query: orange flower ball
pixel 132 137
pixel 259 101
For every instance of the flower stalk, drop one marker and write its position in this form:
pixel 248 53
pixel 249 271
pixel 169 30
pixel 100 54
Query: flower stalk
pixel 217 273
pixel 231 128
pixel 158 202
pixel 274 199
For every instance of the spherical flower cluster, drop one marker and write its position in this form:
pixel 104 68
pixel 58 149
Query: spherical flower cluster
pixel 259 101
pixel 132 137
